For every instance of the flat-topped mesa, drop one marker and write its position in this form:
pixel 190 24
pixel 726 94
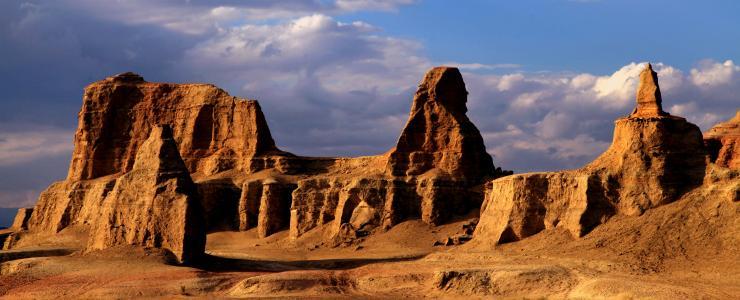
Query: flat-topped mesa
pixel 649 101
pixel 438 134
pixel 723 143
pixel 156 204
pixel 214 131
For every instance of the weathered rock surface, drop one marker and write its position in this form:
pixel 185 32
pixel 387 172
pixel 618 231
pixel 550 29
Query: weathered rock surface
pixel 723 143
pixel 154 205
pixel 265 204
pixel 438 135
pixel 653 160
pixel 214 131
pixel 432 174
pixel 20 221
pixel 243 180
pixel 649 101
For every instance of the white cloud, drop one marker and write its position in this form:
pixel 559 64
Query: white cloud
pixel 536 121
pixel 712 74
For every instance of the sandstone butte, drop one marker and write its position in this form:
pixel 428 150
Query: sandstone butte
pixel 127 184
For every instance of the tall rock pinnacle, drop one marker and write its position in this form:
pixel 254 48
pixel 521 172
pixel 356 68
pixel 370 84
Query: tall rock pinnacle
pixel 649 102
pixel 438 134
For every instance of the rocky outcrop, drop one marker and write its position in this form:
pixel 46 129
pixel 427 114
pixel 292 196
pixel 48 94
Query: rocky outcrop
pixel 653 160
pixel 241 180
pixel 214 131
pixel 265 204
pixel 649 101
pixel 20 222
pixel 154 205
pixel 438 135
pixel 434 172
pixel 723 143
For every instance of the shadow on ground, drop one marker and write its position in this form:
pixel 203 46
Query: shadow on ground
pixel 226 264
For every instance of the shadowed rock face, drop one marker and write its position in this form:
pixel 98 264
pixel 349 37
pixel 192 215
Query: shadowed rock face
pixel 154 205
pixel 723 143
pixel 653 160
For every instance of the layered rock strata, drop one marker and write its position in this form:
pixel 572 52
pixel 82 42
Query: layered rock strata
pixel 155 204
pixel 653 160
pixel 214 131
pixel 723 143
pixel 242 180
pixel 432 174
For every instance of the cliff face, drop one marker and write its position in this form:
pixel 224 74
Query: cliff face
pixel 723 143
pixel 214 131
pixel 229 175
pixel 653 160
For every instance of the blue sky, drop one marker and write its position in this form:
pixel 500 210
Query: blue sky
pixel 336 77
pixel 558 35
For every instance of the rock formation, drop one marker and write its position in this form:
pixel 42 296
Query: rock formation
pixel 214 131
pixel 438 135
pixel 154 205
pixel 433 173
pixel 227 162
pixel 649 101
pixel 21 219
pixel 654 159
pixel 723 143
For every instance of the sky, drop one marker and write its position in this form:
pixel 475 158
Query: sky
pixel 336 77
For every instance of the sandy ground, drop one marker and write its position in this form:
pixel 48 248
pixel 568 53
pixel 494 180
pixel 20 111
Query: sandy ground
pixel 400 263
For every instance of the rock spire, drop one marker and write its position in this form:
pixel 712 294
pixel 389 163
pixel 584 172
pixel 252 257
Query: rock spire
pixel 649 101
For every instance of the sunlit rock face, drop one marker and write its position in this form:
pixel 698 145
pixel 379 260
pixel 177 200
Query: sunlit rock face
pixel 156 204
pixel 654 158
pixel 438 135
pixel 723 143
pixel 231 176
pixel 214 131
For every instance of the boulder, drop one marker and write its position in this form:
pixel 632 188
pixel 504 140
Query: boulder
pixel 156 204
pixel 723 143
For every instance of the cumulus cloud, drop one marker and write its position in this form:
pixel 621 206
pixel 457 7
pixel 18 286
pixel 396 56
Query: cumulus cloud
pixel 346 84
pixel 545 121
